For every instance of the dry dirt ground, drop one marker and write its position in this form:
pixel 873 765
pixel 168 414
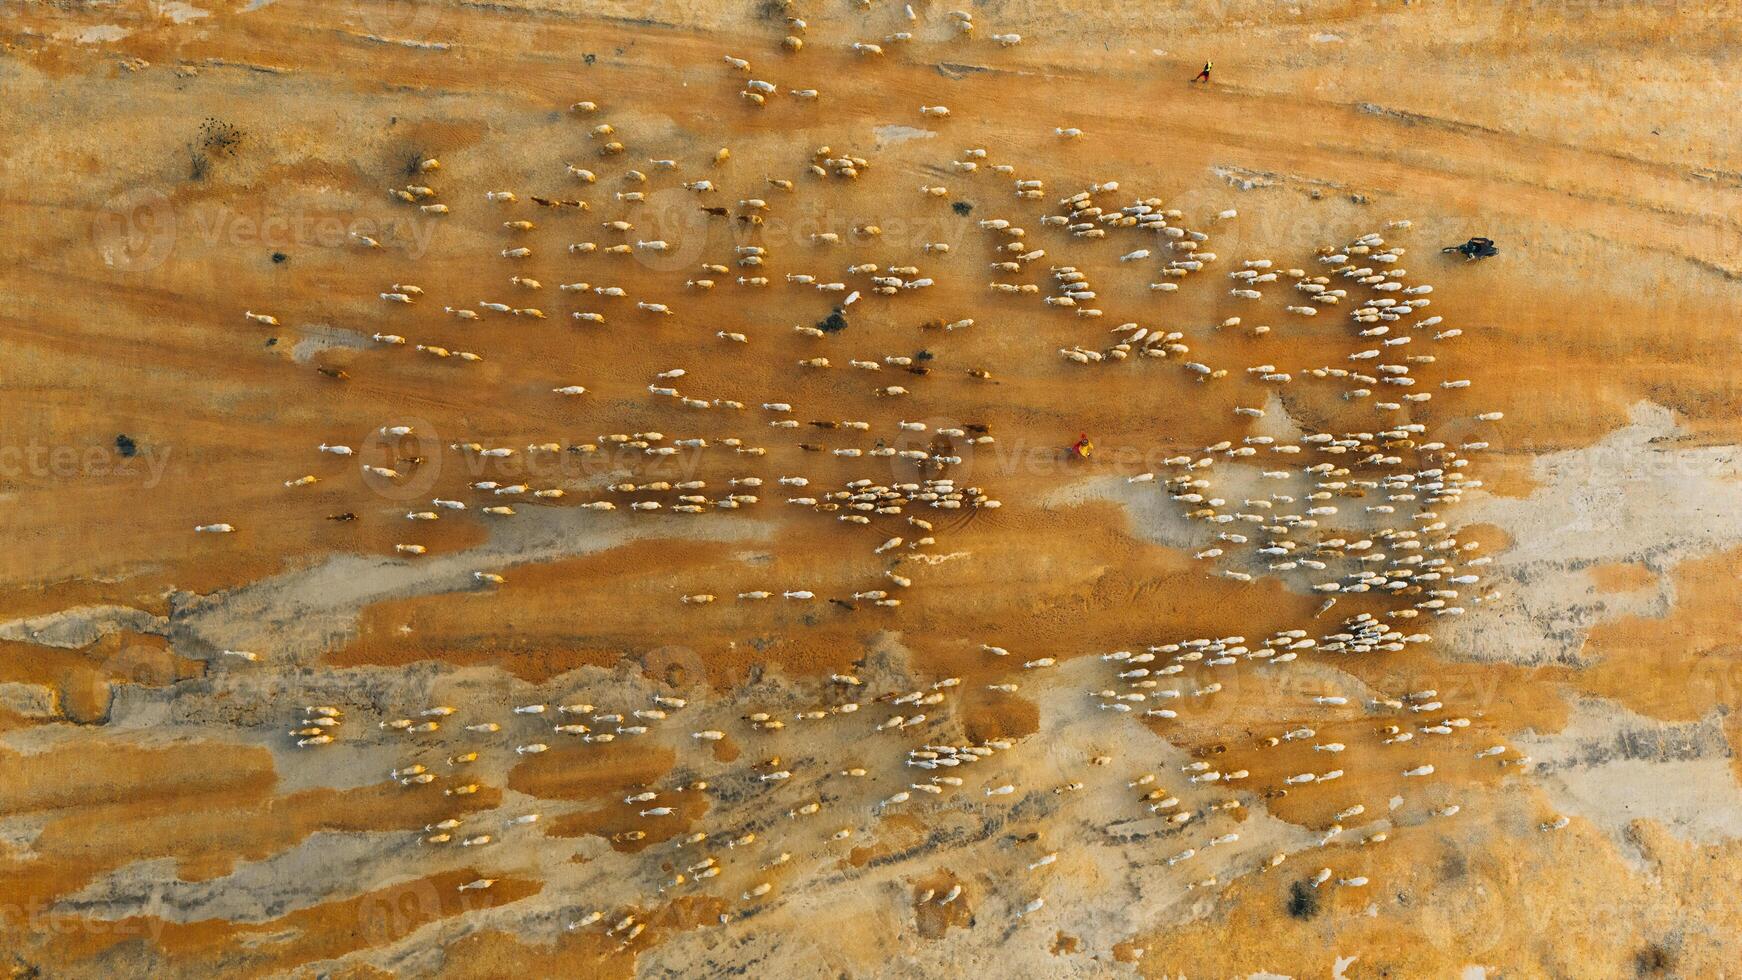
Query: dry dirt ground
pixel 170 166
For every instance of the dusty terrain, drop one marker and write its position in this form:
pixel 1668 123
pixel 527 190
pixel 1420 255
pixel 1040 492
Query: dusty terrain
pixel 172 167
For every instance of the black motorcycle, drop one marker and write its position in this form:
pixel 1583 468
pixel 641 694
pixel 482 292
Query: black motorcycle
pixel 1475 248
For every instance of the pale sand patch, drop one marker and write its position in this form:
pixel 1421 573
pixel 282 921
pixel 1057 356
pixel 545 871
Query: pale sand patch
pixel 1612 766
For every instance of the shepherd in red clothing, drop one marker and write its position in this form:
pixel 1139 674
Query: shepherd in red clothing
pixel 1204 76
pixel 1082 448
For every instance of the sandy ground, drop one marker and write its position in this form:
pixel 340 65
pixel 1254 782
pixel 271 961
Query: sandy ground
pixel 172 165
